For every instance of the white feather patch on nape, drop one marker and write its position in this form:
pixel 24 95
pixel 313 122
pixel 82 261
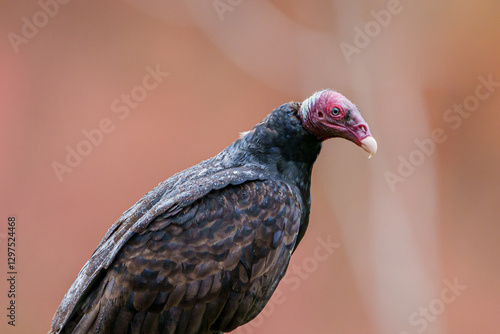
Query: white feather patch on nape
pixel 309 103
pixel 244 133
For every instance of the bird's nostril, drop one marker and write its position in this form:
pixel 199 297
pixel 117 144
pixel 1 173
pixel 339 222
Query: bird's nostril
pixel 362 127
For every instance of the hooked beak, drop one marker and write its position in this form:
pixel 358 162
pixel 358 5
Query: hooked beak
pixel 360 135
pixel 357 132
pixel 369 144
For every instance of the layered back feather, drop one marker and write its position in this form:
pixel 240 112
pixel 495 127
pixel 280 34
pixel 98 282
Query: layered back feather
pixel 204 251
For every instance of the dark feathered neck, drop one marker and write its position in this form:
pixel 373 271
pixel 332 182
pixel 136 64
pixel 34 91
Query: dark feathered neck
pixel 282 146
pixel 281 143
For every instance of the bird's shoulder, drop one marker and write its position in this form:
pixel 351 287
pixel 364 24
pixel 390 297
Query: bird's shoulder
pixel 167 200
pixel 235 241
pixel 257 213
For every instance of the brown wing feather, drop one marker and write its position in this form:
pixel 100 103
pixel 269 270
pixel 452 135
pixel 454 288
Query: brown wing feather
pixel 211 267
pixel 167 199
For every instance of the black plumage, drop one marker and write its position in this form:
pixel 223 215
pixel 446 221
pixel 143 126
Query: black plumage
pixel 204 251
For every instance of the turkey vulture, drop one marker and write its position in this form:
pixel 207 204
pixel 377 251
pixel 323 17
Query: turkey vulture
pixel 204 251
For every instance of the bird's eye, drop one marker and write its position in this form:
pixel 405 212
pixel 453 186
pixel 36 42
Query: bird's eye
pixel 335 111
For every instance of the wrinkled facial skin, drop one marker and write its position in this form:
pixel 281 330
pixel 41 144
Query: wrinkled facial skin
pixel 329 114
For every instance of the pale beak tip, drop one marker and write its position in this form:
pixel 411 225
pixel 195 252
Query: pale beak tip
pixel 369 144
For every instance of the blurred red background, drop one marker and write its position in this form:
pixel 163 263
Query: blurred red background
pixel 420 216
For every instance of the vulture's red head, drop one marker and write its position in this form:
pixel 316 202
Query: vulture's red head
pixel 327 114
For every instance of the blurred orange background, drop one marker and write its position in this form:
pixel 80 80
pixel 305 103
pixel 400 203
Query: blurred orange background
pixel 413 234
